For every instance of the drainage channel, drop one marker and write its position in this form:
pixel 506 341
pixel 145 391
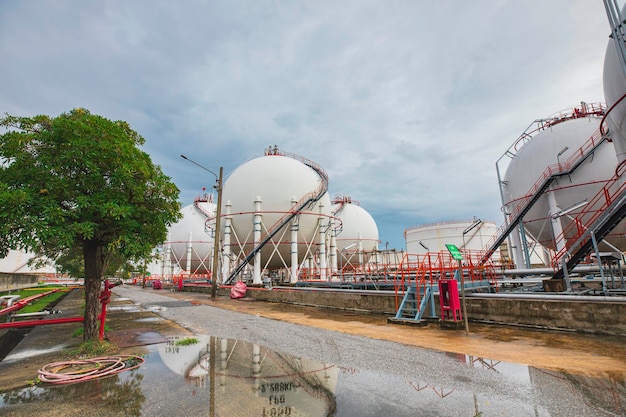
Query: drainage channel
pixel 10 338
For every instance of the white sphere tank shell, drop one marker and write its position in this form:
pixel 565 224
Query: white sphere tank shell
pixel 614 83
pixel 434 237
pixel 359 230
pixel 541 151
pixel 193 220
pixel 276 180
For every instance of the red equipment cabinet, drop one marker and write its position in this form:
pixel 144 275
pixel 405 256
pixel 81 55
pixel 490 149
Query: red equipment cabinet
pixel 449 299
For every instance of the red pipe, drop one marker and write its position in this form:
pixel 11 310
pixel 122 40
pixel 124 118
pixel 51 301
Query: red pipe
pixel 105 297
pixel 22 303
pixel 31 323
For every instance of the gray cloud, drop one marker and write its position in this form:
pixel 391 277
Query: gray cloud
pixel 406 104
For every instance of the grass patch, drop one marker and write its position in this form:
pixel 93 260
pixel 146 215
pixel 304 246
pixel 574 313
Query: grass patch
pixel 80 331
pixel 27 292
pixel 187 341
pixel 92 348
pixel 41 303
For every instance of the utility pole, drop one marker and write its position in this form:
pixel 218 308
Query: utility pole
pixel 216 240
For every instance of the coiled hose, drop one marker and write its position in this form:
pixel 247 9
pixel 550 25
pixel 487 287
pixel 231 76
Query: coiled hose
pixel 69 372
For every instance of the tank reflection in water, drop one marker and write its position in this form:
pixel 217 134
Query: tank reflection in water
pixel 225 377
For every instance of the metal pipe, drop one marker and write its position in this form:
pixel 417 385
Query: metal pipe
pixel 550 271
pixel 35 314
pixel 10 299
pixel 550 297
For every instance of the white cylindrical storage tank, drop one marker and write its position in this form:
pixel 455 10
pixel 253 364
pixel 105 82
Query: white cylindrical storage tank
pixel 614 83
pixel 568 194
pixel 434 237
pixel 17 261
pixel 358 238
pixel 189 239
pixel 275 181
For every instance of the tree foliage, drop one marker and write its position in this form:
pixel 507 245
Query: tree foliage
pixel 81 181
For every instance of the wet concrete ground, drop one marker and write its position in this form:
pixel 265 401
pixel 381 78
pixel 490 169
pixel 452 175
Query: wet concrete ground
pixel 377 368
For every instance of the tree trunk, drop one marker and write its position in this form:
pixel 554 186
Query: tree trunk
pixel 95 257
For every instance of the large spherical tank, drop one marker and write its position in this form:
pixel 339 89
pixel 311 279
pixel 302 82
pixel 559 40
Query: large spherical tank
pixel 541 151
pixel 359 233
pixel 614 83
pixel 277 181
pixel 434 237
pixel 191 229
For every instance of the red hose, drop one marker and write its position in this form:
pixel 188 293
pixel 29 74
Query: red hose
pixel 69 372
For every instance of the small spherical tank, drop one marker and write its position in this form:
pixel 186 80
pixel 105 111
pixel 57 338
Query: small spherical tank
pixel 549 147
pixel 359 233
pixel 190 229
pixel 276 182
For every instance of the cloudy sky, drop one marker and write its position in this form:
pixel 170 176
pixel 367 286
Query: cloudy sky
pixel 407 104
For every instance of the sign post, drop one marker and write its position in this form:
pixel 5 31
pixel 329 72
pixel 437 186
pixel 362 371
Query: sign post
pixel 458 256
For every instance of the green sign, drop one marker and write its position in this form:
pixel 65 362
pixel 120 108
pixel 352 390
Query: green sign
pixel 455 252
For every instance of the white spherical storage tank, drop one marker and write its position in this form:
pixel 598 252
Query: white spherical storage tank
pixel 188 237
pixel 358 237
pixel 614 83
pixel 266 191
pixel 435 236
pixel 568 194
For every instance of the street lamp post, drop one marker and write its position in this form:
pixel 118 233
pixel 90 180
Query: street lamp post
pixel 216 239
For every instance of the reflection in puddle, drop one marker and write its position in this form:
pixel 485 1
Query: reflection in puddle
pixel 225 377
pixel 251 380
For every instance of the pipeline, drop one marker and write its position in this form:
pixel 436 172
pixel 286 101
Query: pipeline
pixel 549 297
pixel 549 271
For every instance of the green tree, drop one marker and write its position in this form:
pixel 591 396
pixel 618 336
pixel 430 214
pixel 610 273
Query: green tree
pixel 81 181
pixel 71 262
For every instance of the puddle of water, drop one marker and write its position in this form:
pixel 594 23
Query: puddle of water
pixel 24 354
pixel 225 377
pixel 149 319
pixel 156 308
pixel 127 308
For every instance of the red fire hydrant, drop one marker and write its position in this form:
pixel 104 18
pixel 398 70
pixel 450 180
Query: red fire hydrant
pixel 105 297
